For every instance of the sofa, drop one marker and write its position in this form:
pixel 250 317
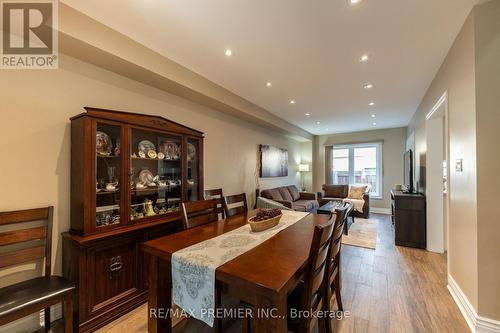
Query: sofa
pixel 361 201
pixel 291 197
pixel 269 204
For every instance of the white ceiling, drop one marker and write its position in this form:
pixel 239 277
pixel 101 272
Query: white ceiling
pixel 309 50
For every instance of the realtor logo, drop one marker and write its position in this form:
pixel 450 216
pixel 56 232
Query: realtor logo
pixel 29 34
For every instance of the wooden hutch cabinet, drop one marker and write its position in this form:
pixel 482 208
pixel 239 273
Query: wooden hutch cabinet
pixel 129 174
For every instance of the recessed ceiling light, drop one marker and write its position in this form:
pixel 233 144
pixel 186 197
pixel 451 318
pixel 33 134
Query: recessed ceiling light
pixel 373 115
pixel 228 52
pixel 364 58
pixel 353 2
pixel 368 86
pixel 374 124
pixel 318 122
pixel 292 101
pixel 308 114
pixel 268 84
pixel 371 103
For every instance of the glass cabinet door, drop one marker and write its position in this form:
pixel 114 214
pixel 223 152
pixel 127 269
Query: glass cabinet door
pixel 193 167
pixel 155 174
pixel 108 171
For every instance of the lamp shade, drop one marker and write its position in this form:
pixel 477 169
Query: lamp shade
pixel 304 167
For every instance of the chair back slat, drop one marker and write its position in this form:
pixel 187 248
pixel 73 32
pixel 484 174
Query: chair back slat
pixel 241 204
pixel 20 236
pixel 196 213
pixel 318 277
pixel 25 235
pixel 341 215
pixel 24 215
pixel 21 256
pixel 317 263
pixel 218 196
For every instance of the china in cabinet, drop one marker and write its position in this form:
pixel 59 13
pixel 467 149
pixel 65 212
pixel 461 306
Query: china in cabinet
pixel 129 174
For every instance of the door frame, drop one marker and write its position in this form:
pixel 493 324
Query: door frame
pixel 443 102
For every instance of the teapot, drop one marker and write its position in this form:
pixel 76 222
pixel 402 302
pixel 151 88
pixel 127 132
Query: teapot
pixel 148 208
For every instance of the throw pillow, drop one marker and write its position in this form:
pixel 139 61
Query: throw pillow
pixel 356 192
pixel 294 192
pixel 285 194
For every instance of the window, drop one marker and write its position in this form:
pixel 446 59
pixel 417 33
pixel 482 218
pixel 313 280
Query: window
pixel 357 164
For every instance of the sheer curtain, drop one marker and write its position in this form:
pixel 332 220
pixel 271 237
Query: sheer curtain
pixel 329 165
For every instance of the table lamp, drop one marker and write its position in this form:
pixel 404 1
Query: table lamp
pixel 303 168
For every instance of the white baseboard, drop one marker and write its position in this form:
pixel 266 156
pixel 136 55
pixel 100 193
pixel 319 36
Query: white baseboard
pixel 32 323
pixel 375 210
pixel 486 325
pixel 477 324
pixel 463 303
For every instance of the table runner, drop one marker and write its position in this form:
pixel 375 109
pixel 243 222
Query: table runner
pixel 193 268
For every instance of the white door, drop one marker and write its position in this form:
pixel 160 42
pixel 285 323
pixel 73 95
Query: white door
pixel 434 184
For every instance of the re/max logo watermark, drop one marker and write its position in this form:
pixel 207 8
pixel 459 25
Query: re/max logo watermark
pixel 29 34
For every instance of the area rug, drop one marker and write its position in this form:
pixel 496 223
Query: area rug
pixel 362 233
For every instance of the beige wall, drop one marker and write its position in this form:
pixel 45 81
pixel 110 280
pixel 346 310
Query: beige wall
pixel 487 18
pixel 35 137
pixel 393 149
pixel 456 76
pixel 471 76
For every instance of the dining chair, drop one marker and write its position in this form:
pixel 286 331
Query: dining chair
pixel 27 237
pixel 333 273
pixel 350 208
pixel 309 295
pixel 238 204
pixel 217 195
pixel 195 213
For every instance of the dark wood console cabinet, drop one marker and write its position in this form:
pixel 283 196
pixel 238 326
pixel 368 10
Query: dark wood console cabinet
pixel 409 219
pixel 121 196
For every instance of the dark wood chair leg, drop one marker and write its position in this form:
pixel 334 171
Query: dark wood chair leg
pixel 68 313
pixel 322 325
pixel 328 295
pixel 337 292
pixel 47 319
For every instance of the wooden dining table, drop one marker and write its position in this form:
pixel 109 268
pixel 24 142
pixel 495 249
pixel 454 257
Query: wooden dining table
pixel 262 276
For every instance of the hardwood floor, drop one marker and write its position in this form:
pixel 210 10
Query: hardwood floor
pixel 396 289
pixel 390 289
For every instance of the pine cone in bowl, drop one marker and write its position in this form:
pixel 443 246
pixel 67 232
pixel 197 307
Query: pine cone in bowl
pixel 266 214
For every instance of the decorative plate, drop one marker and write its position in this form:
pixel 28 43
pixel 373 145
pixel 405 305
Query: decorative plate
pixel 145 176
pixel 191 153
pixel 146 145
pixel 103 144
pixel 161 156
pixel 152 153
pixel 170 149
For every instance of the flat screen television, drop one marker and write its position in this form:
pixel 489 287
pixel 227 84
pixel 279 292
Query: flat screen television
pixel 408 172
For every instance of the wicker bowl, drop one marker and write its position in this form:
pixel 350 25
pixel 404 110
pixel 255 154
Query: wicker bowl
pixel 257 226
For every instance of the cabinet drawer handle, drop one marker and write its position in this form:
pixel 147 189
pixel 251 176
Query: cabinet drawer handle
pixel 115 267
